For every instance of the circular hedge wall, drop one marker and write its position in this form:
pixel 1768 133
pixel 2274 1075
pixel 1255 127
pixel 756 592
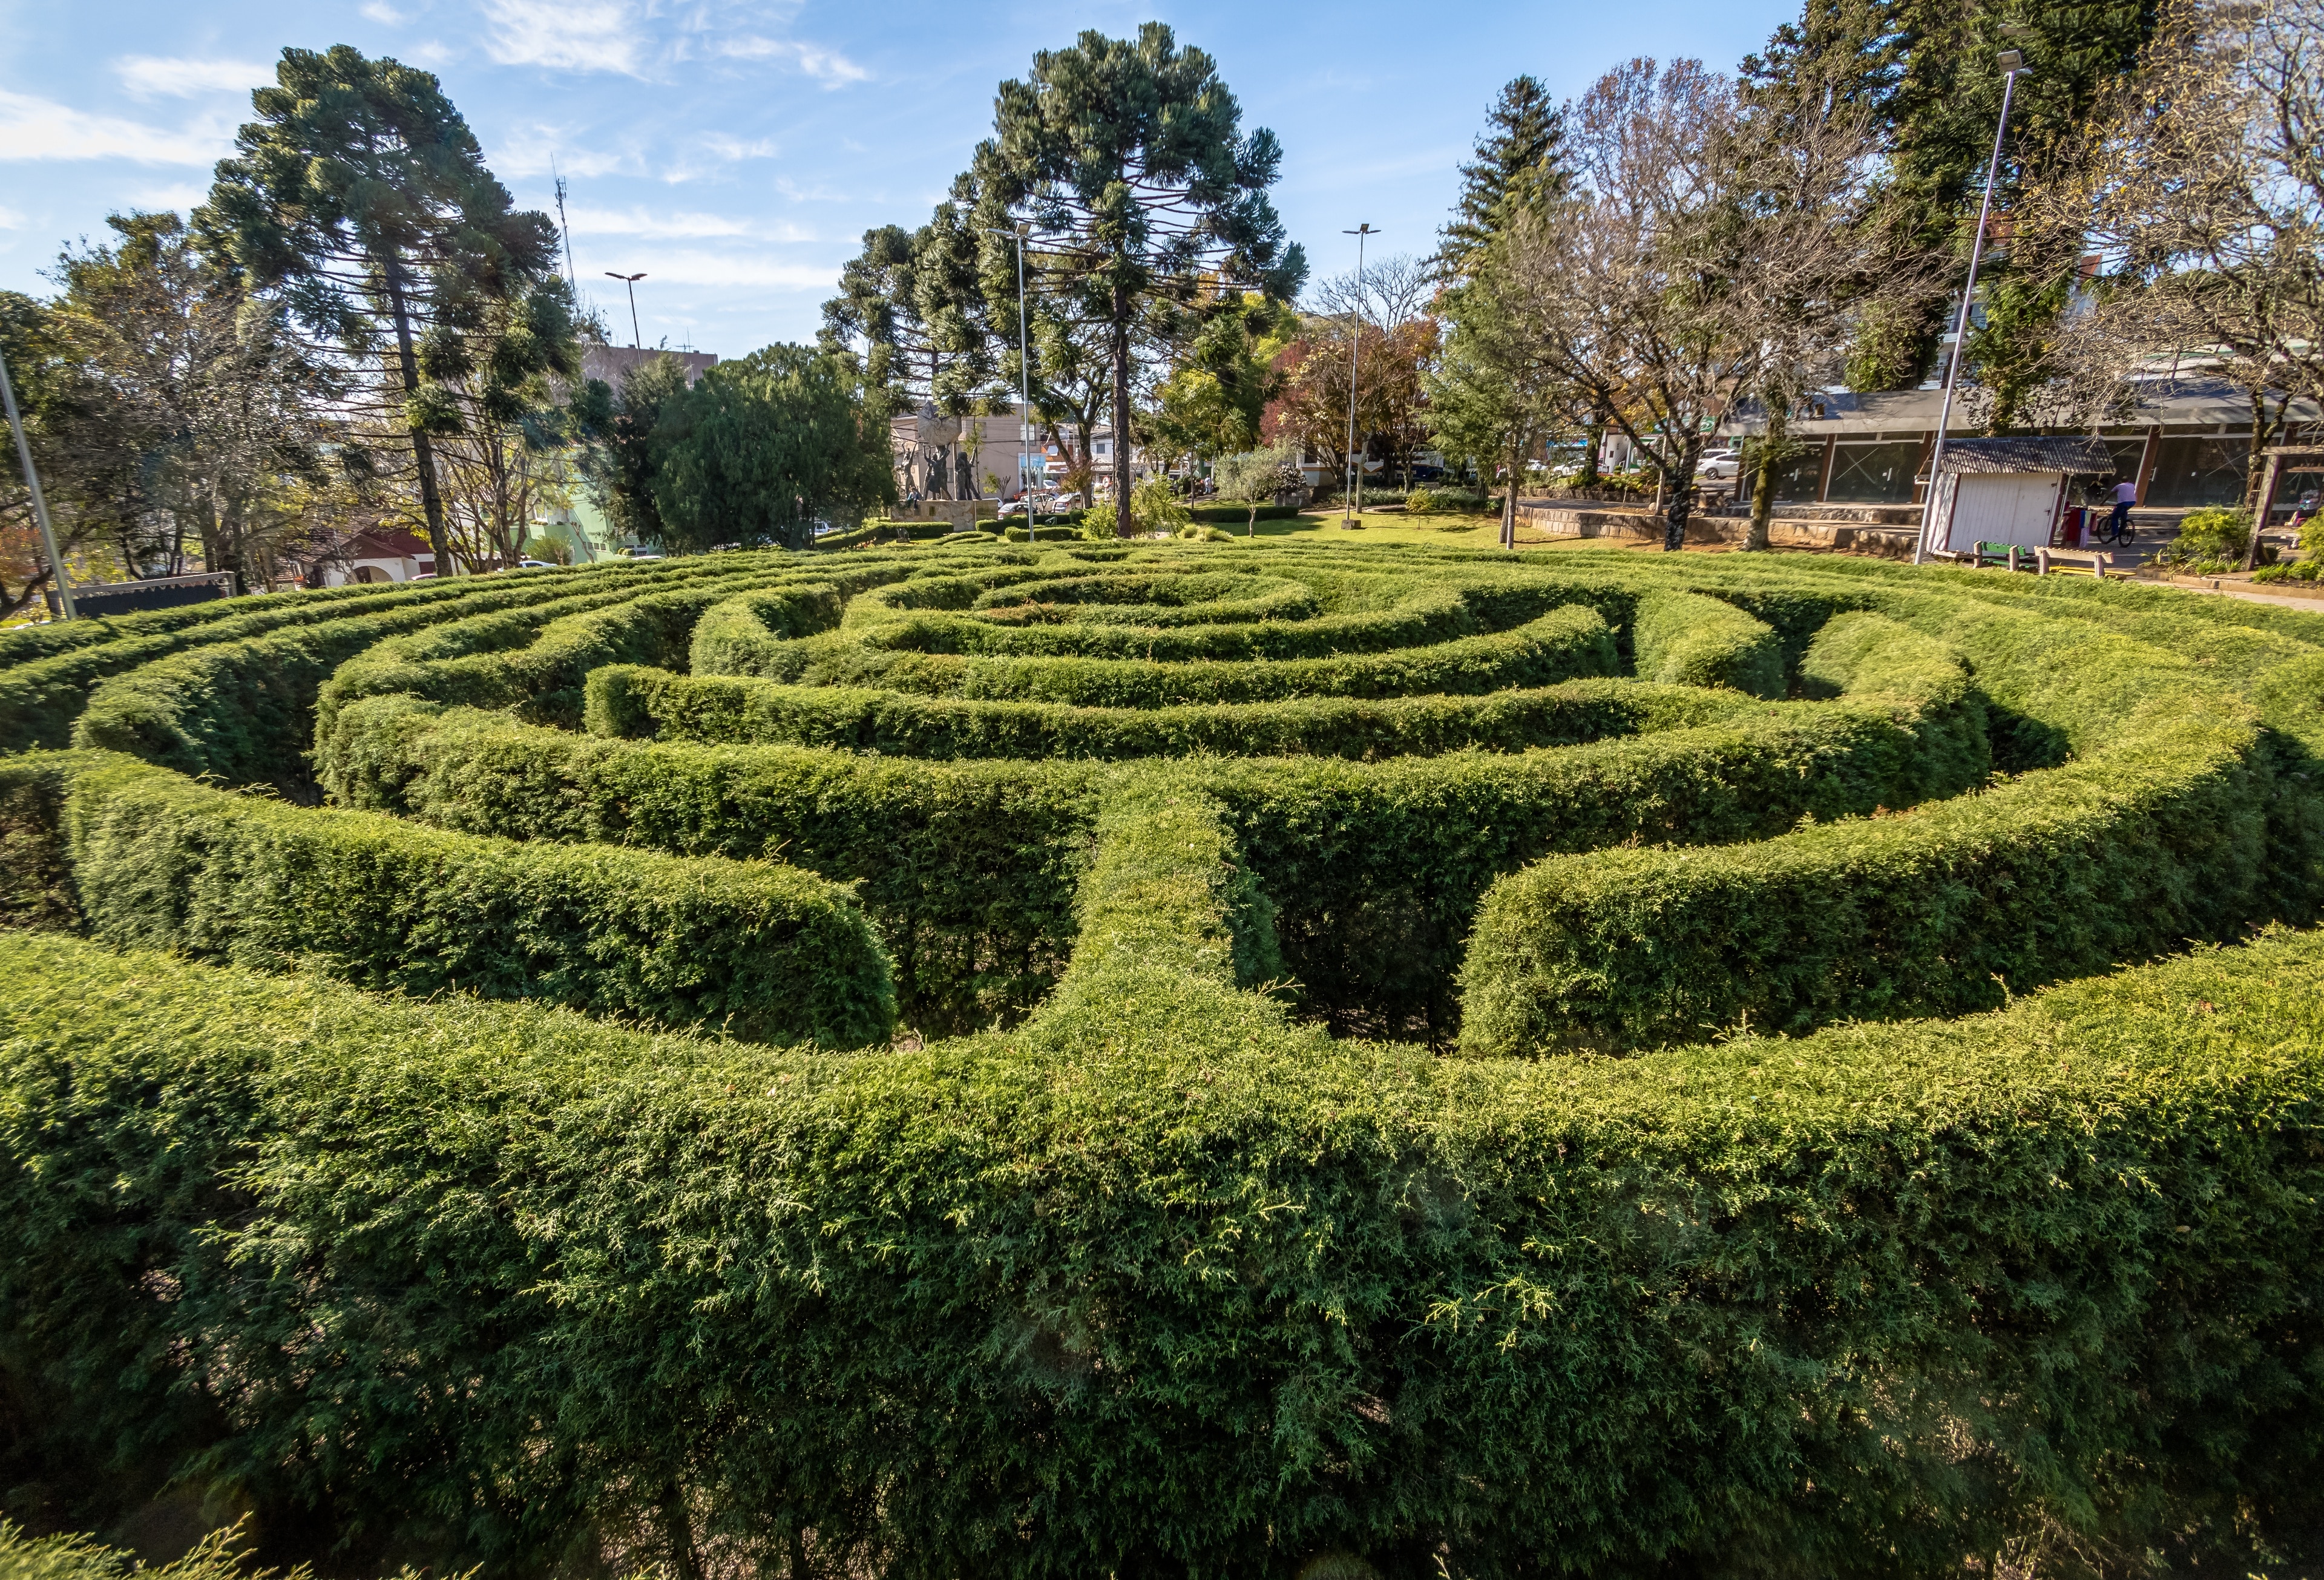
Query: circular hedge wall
pixel 1174 1059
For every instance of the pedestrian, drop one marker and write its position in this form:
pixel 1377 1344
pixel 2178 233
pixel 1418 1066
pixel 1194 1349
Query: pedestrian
pixel 2125 495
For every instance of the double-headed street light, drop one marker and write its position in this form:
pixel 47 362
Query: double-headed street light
pixel 2011 63
pixel 632 281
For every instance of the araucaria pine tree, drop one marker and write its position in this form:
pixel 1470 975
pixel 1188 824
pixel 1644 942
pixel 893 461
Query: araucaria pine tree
pixel 1145 199
pixel 1519 165
pixel 360 197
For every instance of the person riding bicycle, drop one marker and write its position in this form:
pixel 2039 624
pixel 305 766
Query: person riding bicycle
pixel 2125 495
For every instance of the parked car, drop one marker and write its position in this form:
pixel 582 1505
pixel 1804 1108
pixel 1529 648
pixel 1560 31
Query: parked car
pixel 1718 466
pixel 534 564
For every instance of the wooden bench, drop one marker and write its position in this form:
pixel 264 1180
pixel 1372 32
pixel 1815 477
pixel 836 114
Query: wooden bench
pixel 2040 560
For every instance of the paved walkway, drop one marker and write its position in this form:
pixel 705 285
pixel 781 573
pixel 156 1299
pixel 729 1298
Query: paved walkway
pixel 2307 603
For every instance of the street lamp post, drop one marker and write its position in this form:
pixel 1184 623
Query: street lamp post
pixel 1024 383
pixel 1355 348
pixel 39 502
pixel 632 281
pixel 2011 63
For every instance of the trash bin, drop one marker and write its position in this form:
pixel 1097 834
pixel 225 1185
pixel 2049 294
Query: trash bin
pixel 2070 526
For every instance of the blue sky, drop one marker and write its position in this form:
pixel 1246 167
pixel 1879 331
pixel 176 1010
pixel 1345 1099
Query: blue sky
pixel 736 150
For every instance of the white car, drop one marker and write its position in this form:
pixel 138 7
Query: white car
pixel 1718 466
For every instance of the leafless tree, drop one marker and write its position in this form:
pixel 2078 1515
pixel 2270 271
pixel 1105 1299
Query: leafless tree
pixel 1814 255
pixel 1396 292
pixel 1715 250
pixel 2202 185
pixel 1630 285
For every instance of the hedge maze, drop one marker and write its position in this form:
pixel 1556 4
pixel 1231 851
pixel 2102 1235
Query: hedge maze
pixel 1172 1060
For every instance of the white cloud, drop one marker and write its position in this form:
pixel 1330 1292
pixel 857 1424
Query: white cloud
pixel 38 129
pixel 161 76
pixel 828 67
pixel 580 35
pixel 9 219
pixel 535 150
pixel 734 148
pixel 175 195
pixel 381 11
pixel 719 269
pixel 798 194
pixel 673 226
pixel 430 52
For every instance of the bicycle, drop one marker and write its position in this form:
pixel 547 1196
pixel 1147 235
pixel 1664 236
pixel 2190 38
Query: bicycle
pixel 2107 532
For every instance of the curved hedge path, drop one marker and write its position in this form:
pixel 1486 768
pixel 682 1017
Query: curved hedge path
pixel 1172 1060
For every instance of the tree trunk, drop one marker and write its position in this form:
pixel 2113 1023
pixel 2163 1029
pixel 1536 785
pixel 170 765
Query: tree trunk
pixel 1763 481
pixel 2255 468
pixel 423 454
pixel 1509 494
pixel 1595 436
pixel 678 1529
pixel 1681 498
pixel 1122 524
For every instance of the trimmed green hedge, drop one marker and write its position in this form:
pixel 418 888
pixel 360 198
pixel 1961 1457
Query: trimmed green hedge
pixel 968 870
pixel 1376 868
pixel 1210 1296
pixel 1943 910
pixel 1230 515
pixel 1563 644
pixel 242 708
pixel 1683 638
pixel 765 952
pixel 639 702
pixel 44 688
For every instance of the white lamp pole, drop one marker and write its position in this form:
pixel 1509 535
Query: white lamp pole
pixel 1355 346
pixel 39 502
pixel 2012 63
pixel 1024 383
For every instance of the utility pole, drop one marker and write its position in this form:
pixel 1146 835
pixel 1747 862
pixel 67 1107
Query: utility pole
pixel 572 276
pixel 1355 348
pixel 1024 382
pixel 631 280
pixel 39 502
pixel 2011 63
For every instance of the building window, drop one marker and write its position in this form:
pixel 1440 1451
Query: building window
pixel 1796 480
pixel 2128 453
pixel 2191 472
pixel 1877 474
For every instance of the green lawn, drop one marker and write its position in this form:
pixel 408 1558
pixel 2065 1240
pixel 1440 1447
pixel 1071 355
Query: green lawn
pixel 1480 531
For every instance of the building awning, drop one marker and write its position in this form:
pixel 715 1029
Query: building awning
pixel 2076 454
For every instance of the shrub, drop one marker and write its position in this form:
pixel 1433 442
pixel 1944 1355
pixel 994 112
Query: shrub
pixel 2209 537
pixel 45 686
pixel 1260 474
pixel 1154 835
pixel 1683 638
pixel 965 1273
pixel 768 952
pixel 1227 513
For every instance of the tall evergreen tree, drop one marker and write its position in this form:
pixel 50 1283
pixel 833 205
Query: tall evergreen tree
pixel 912 299
pixel 1519 163
pixel 1927 68
pixel 620 429
pixel 360 197
pixel 1145 200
